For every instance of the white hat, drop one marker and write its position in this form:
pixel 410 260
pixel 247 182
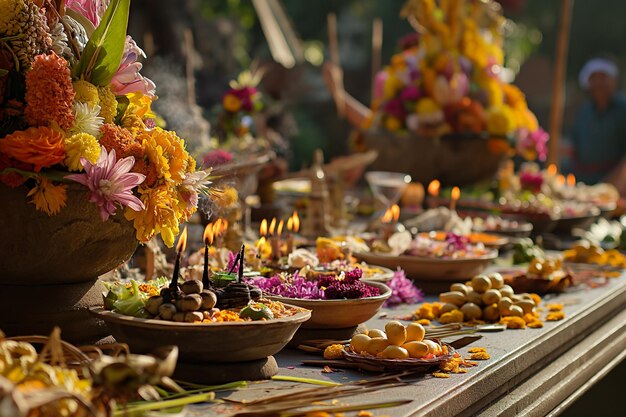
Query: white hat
pixel 596 65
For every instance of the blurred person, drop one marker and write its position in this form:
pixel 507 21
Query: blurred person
pixel 599 133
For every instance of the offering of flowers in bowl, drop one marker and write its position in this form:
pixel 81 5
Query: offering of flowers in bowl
pixel 427 258
pixel 335 301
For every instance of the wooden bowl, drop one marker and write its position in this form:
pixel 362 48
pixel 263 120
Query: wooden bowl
pixel 421 268
pixel 205 342
pixel 340 314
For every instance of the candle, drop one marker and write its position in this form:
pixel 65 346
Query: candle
pixel 279 232
pixel 263 228
pixel 571 180
pixel 433 193
pixel 242 254
pixel 219 230
pixel 289 235
pixel 389 220
pixel 560 180
pixel 552 170
pixel 180 248
pixel 274 240
pixel 207 238
pixel 454 197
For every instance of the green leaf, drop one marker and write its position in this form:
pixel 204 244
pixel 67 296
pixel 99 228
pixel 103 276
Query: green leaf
pixel 103 53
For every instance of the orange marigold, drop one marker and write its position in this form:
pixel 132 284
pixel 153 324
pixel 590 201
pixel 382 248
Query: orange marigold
pixel 40 146
pixel 49 92
pixel 116 137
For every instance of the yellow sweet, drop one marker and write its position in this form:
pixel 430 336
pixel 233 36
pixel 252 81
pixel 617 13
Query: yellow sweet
pixel 433 347
pixel 395 352
pixel 415 332
pixel 416 349
pixel 376 333
pixel 376 345
pixel 359 342
pixel 396 333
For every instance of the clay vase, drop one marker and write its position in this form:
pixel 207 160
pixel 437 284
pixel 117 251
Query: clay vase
pixel 50 264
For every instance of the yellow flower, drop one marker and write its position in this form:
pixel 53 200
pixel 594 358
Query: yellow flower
pixel 231 103
pixel 108 104
pixel 500 120
pixel 226 198
pixel 514 96
pixel 427 106
pixel 392 85
pixel 139 105
pixel 48 197
pixel 166 152
pixel 80 145
pixel 133 123
pixel 392 124
pixel 86 92
pixel 161 215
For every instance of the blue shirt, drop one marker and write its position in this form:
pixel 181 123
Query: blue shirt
pixel 599 139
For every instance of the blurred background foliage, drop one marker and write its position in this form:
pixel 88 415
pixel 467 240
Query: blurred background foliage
pixel 228 37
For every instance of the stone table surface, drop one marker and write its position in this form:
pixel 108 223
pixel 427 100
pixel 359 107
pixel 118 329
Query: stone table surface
pixel 531 371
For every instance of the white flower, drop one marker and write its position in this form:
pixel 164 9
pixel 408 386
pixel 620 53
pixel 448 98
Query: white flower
pixel 194 184
pixel 86 120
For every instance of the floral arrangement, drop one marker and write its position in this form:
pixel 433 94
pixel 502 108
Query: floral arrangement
pixel 72 100
pixel 448 81
pixel 403 290
pixel 239 104
pixel 347 285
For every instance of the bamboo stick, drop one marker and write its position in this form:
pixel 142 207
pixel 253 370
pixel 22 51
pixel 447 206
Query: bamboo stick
pixel 377 44
pixel 337 73
pixel 558 85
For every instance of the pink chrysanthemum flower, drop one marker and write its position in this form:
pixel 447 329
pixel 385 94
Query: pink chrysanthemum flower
pixel 127 79
pixel 110 182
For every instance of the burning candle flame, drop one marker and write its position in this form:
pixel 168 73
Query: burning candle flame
pixel 552 170
pixel 571 180
pixel 182 241
pixel 263 228
pixel 395 212
pixel 207 236
pixel 560 180
pixel 392 214
pixel 280 228
pixel 433 188
pixel 272 226
pixel 296 222
pixel 260 242
pixel 290 224
pixel 456 193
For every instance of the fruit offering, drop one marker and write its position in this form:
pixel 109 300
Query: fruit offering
pixel 484 298
pixel 397 341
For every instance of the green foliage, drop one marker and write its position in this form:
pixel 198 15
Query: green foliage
pixel 103 53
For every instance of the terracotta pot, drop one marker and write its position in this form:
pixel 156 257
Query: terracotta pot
pixel 72 246
pixel 50 264
pixel 453 160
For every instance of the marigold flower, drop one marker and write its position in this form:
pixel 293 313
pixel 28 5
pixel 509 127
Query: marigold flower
pixel 454 316
pixel 86 92
pixel 49 92
pixel 500 120
pixel 40 146
pixel 48 197
pixel 110 183
pixel 80 145
pixel 159 217
pixel 133 123
pixel 333 351
pixel 555 316
pixel 166 152
pixel 108 104
pixel 227 198
pixel 231 103
pixel 118 138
